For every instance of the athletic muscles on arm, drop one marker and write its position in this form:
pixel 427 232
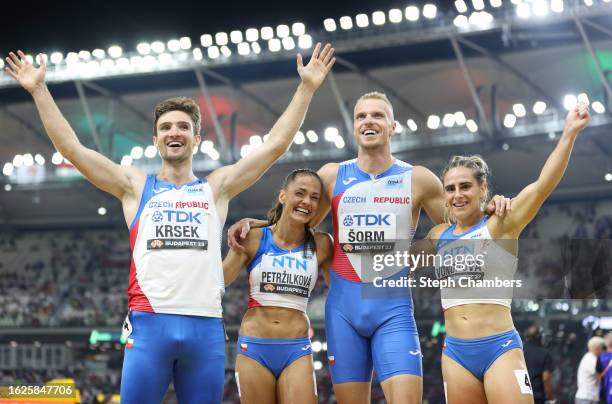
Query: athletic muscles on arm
pixel 228 181
pixel 125 183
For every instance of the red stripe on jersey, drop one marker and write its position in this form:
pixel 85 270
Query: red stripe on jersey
pixel 254 303
pixel 341 264
pixel 136 298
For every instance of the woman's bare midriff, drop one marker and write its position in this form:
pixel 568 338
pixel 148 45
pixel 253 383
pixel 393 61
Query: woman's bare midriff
pixel 477 320
pixel 274 322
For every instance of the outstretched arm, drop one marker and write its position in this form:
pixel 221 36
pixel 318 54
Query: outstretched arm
pixel 99 170
pixel 231 180
pixel 526 205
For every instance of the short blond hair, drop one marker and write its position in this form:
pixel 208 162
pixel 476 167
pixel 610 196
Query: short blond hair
pixel 376 95
pixel 594 342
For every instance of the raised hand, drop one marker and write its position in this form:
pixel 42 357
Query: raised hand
pixel 577 118
pixel 321 62
pixel 19 68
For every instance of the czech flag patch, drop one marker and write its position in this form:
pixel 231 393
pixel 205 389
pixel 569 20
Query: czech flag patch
pixel 130 343
pixel 243 347
pixel 332 360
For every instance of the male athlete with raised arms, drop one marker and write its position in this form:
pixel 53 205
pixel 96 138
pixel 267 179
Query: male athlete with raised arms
pixel 175 220
pixel 373 191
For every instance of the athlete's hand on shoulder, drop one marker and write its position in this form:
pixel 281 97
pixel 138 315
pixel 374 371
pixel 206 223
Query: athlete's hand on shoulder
pixel 499 206
pixel 577 119
pixel 321 62
pixel 24 72
pixel 239 230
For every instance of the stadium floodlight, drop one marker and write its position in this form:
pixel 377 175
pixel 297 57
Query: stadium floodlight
pixel 282 31
pixel 316 346
pixel 299 138
pixel 266 137
pixel 123 63
pixel 461 21
pixel 312 136
pixel 126 160
pixel 339 142
pixel 430 11
pixel 8 169
pixel 8 187
pixel 115 51
pixel 197 54
pixel 213 52
pixel 412 125
pixel 516 2
pixel 505 147
pixel 519 110
pixel 56 58
pixel 569 101
pixel 495 3
pixel 207 146
pixel 174 45
pixel 331 133
pixel 608 177
pixel 433 122
pixel 236 36
pixel 72 58
pixel 395 15
pixel 135 62
pixel 252 34
pixel 461 6
pixel 101 211
pixel 412 13
pixel 539 107
pixel 305 41
pixel 267 33
pixel 523 10
pixel 329 24
pixel 158 47
pixel 39 159
pixel 255 140
pixel 556 6
pixel 245 150
pixel 509 121
pixel 478 5
pixel 274 45
pixel 589 3
pixel 298 28
pixel 57 158
pixel 460 118
pixel 84 55
pixel 185 42
pixel 540 8
pixel 143 48
pixel 256 48
pixel 225 51
pixel 346 23
pixel 150 151
pixel 398 128
pixel 206 40
pixel 214 154
pixel 318 365
pixel 480 18
pixel 598 107
pixel 137 152
pixel 221 38
pixel 18 160
pixel 361 20
pixel 583 98
pixel 244 48
pixel 149 62
pixel 448 120
pixel 378 18
pixel 288 43
pixel 471 125
pixel 98 54
pixel 29 58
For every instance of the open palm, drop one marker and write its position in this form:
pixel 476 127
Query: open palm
pixel 321 62
pixel 28 76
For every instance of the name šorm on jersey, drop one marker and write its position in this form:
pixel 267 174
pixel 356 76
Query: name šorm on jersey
pixel 281 278
pixel 176 263
pixel 369 213
pixel 490 262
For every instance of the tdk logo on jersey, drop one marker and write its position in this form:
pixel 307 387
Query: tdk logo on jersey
pixel 157 216
pixel 179 216
pixel 369 219
pixel 289 262
pixel 394 183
